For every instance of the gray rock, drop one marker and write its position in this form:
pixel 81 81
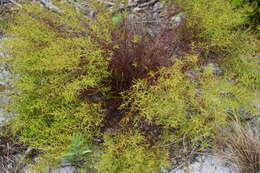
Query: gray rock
pixel 137 9
pixel 137 2
pixel 177 20
pixel 26 169
pixel 2 2
pixel 193 73
pixel 216 70
pixel 157 7
pixel 132 2
pixel 67 169
pixel 2 118
pixel 49 5
pixel 208 164
pixel 4 80
pixel 2 38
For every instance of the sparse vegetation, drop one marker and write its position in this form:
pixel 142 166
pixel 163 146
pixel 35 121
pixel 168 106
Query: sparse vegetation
pixel 104 94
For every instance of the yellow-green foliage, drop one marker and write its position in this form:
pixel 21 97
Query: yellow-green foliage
pixel 53 65
pixel 130 153
pixel 218 30
pixel 50 77
pixel 194 106
pixel 219 26
pixel 244 70
pixel 57 61
pixel 216 22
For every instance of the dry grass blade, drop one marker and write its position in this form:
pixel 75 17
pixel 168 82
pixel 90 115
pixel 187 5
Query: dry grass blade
pixel 9 149
pixel 243 147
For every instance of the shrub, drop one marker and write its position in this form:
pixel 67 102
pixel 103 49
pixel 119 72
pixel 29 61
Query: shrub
pixel 215 24
pixel 63 74
pixel 128 152
pixel 191 108
pixel 125 95
pixel 253 13
pixel 220 37
pixel 136 53
pixel 52 74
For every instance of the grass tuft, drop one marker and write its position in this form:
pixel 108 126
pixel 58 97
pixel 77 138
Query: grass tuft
pixel 243 147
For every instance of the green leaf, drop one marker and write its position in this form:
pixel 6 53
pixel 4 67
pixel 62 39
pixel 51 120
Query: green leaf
pixel 69 154
pixel 237 2
pixel 77 141
pixel 86 151
pixel 255 5
pixel 2 22
pixel 117 19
